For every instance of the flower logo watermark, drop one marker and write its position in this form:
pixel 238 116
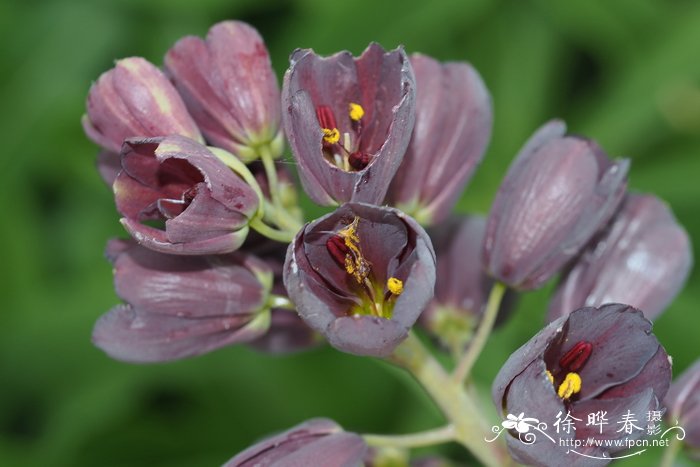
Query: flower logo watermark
pixel 528 429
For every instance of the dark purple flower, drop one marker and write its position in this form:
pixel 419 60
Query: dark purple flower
pixel 462 288
pixel 206 207
pixel 559 191
pixel 318 441
pixel 643 259
pixel 348 121
pixel 361 276
pixel 230 88
pixel 453 128
pixel 683 407
pixel 591 361
pixel 133 99
pixel 180 306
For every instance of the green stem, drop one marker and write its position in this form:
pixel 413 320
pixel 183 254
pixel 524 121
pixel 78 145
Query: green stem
pixel 414 440
pixel 671 452
pixel 463 413
pixel 283 236
pixel 279 301
pixel 478 342
pixel 271 174
pixel 277 210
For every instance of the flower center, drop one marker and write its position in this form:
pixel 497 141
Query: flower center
pixel 569 364
pixel 344 247
pixel 343 150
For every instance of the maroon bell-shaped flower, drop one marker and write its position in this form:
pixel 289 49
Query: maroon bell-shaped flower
pixel 133 99
pixel 462 287
pixel 181 306
pixel 643 259
pixel 230 88
pixel 559 191
pixel 683 407
pixel 206 207
pixel 361 276
pixel 319 441
pixel 348 121
pixel 452 130
pixel 588 371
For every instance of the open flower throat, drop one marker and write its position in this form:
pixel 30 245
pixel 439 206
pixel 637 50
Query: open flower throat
pixel 344 246
pixel 343 149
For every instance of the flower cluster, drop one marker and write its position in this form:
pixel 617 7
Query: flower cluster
pixel 219 253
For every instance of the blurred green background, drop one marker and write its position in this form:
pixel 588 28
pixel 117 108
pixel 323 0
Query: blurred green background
pixel 625 72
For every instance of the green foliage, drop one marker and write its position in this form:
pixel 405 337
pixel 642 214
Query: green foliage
pixel 626 73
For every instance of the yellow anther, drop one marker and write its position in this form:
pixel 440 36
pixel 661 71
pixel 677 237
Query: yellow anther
pixel 355 264
pixel 395 285
pixel 331 136
pixel 550 377
pixel 356 111
pixel 570 386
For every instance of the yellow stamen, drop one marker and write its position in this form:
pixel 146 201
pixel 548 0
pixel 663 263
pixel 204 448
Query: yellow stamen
pixel 570 386
pixel 356 111
pixel 355 264
pixel 331 136
pixel 395 285
pixel 550 377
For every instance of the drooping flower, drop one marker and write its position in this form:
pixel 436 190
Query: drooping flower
pixel 683 407
pixel 133 99
pixel 319 441
pixel 348 121
pixel 205 206
pixel 559 191
pixel 643 259
pixel 361 276
pixel 602 361
pixel 181 306
pixel 452 130
pixel 462 288
pixel 230 88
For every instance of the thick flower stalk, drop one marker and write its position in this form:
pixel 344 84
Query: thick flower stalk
pixel 643 259
pixel 133 99
pixel 348 121
pixel 166 315
pixel 559 191
pixel 206 208
pixel 591 361
pixel 361 276
pixel 319 441
pixel 230 88
pixel 453 128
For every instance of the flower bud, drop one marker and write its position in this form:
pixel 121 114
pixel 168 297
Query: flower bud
pixel 592 360
pixel 348 121
pixel 230 88
pixel 558 193
pixel 462 288
pixel 315 442
pixel 135 99
pixel 683 407
pixel 205 206
pixel 361 276
pixel 452 130
pixel 181 306
pixel 642 259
